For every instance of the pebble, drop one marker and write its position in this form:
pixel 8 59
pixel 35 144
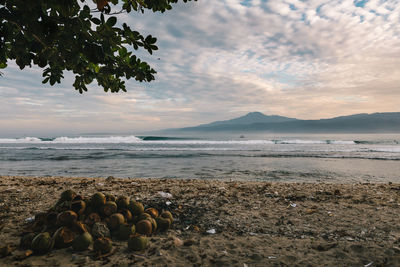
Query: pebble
pixel 188 242
pixel 178 242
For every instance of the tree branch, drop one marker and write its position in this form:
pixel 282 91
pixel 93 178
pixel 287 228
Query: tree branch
pixel 33 35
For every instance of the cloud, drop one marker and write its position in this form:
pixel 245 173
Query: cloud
pixel 220 59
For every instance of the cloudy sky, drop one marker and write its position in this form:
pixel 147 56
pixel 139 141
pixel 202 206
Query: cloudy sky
pixel 220 59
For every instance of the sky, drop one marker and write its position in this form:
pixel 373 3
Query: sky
pixel 220 59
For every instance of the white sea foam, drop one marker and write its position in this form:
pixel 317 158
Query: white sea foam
pixel 341 142
pixel 135 140
pixel 97 140
pixel 30 140
pixel 74 140
pixel 127 139
pixel 212 142
pixel 296 141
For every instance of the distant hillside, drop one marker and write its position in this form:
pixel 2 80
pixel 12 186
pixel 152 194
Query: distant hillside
pixel 249 118
pixel 255 121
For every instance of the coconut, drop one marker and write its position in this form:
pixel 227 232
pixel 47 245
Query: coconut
pixel 110 197
pixel 163 224
pixel 98 200
pixel 144 216
pixel 153 224
pixel 127 214
pixel 67 195
pixel 40 218
pixel 42 243
pixel 136 208
pixel 125 231
pixel 102 245
pixel 78 197
pixel 62 206
pixel 87 202
pixel 5 251
pixel 51 218
pixel 82 241
pixel 63 237
pixel 92 218
pixel 109 208
pixel 116 220
pixel 26 241
pixel 123 202
pixel 100 229
pixel 67 218
pixel 167 215
pixel 152 211
pixel 78 206
pixel 137 242
pixel 144 227
pixel 39 222
pixel 79 227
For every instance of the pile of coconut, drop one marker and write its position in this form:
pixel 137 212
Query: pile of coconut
pixel 79 222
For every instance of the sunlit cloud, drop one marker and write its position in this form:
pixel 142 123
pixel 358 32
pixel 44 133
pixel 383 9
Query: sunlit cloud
pixel 221 59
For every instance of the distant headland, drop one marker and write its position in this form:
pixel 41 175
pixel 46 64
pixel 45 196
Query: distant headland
pixel 388 122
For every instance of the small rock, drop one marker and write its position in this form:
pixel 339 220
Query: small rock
pixel 178 242
pixel 324 247
pixel 110 179
pixel 22 255
pixel 78 259
pixel 357 248
pixel 337 192
pixel 188 242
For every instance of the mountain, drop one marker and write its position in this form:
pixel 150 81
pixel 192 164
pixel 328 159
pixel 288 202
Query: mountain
pixel 388 122
pixel 249 118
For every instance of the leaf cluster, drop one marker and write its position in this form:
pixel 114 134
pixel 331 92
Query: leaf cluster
pixel 59 35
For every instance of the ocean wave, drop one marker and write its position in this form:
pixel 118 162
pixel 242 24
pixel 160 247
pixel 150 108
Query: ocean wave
pixel 121 156
pixel 296 141
pixel 326 156
pixel 385 149
pixel 340 142
pixel 97 140
pixel 128 140
pixel 73 140
pixel 131 139
pixel 20 140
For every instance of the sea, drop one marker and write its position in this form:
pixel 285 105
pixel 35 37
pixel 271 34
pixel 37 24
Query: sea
pixel 331 158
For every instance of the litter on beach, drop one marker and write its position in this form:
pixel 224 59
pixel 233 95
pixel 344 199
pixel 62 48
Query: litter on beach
pixel 211 231
pixel 165 194
pixel 30 219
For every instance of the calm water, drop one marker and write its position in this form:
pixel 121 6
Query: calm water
pixel 304 158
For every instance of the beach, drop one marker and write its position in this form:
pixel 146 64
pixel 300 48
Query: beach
pixel 224 223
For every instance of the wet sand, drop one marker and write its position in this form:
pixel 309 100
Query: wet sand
pixel 255 223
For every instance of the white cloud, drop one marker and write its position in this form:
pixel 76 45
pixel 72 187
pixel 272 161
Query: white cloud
pixel 219 59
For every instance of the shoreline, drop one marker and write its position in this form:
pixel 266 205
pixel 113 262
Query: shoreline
pixel 256 223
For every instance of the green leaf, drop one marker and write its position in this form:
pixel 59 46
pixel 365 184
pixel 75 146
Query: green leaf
pixel 111 21
pixel 122 52
pixel 96 21
pixel 46 80
pixel 58 35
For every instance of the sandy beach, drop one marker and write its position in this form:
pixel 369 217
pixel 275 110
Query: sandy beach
pixel 224 223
